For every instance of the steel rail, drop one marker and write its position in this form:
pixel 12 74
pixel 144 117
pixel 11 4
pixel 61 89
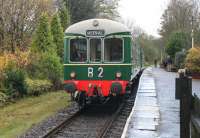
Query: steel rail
pixel 62 125
pixel 109 122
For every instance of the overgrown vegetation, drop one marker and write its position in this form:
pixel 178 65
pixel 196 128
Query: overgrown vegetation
pixel 38 86
pixel 14 82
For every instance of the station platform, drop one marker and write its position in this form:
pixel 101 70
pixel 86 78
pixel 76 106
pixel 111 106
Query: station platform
pixel 156 112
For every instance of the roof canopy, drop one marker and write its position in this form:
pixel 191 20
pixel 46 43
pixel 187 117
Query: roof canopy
pixel 107 26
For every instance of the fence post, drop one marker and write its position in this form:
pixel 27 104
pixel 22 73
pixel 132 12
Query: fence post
pixel 184 93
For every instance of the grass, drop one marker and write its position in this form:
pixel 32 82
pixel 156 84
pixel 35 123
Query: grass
pixel 16 118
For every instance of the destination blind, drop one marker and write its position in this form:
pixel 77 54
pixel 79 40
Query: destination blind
pixel 95 32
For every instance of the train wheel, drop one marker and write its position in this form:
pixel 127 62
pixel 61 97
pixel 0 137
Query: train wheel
pixel 72 96
pixel 82 100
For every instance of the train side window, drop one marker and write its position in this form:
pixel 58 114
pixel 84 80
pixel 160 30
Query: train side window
pixel 78 50
pixel 95 50
pixel 113 50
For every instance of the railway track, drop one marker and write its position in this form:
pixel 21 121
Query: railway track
pixel 95 121
pixel 116 125
pixel 62 125
pixel 84 123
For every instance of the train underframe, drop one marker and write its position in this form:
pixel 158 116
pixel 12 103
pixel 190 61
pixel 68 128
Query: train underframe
pixel 96 92
pixel 86 92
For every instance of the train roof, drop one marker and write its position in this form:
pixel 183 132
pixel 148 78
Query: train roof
pixel 108 26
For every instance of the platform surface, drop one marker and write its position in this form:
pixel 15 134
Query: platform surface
pixel 156 112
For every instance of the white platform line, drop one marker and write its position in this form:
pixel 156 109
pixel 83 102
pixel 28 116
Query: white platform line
pixel 136 104
pixel 131 114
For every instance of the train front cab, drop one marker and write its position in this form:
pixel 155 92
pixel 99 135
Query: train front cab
pixel 98 60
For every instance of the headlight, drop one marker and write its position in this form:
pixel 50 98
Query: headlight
pixel 72 75
pixel 118 75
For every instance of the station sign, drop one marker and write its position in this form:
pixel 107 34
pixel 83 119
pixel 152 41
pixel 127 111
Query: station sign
pixel 95 33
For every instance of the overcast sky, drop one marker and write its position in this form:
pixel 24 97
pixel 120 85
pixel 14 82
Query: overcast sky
pixel 145 13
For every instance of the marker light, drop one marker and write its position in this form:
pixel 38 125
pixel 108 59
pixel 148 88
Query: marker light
pixel 118 75
pixel 72 75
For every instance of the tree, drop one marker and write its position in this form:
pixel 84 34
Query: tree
pixel 193 60
pixel 43 40
pixel 81 9
pixel 17 25
pixel 151 46
pixel 64 16
pixel 136 31
pixel 148 45
pixel 181 15
pixel 107 9
pixel 87 9
pixel 58 35
pixel 177 42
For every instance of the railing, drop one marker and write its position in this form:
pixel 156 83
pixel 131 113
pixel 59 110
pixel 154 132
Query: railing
pixel 189 107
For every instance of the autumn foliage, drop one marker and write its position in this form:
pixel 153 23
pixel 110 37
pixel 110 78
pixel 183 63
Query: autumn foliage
pixel 193 60
pixel 19 59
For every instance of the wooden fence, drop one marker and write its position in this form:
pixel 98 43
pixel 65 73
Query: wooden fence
pixel 189 108
pixel 195 117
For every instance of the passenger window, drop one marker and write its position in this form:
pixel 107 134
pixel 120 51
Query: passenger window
pixel 95 50
pixel 78 50
pixel 113 50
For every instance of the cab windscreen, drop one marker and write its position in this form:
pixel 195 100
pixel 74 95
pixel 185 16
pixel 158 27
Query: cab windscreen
pixel 95 50
pixel 78 50
pixel 113 50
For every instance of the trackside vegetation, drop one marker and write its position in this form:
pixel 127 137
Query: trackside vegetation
pixel 34 71
pixel 17 118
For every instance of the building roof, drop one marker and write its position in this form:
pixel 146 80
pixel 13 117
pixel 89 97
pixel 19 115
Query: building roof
pixel 108 26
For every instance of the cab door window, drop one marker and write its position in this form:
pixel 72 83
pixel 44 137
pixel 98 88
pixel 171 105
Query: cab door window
pixel 78 50
pixel 113 50
pixel 95 50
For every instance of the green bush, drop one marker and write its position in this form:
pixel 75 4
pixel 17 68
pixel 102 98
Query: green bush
pixel 14 82
pixel 37 87
pixel 180 59
pixel 46 66
pixel 176 42
pixel 193 60
pixel 51 68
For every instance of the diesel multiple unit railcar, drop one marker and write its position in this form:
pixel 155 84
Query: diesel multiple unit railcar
pixel 100 60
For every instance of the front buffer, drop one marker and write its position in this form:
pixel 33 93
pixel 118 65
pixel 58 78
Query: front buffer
pixel 95 91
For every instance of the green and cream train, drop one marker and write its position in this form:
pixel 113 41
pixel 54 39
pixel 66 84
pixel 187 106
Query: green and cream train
pixel 100 60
